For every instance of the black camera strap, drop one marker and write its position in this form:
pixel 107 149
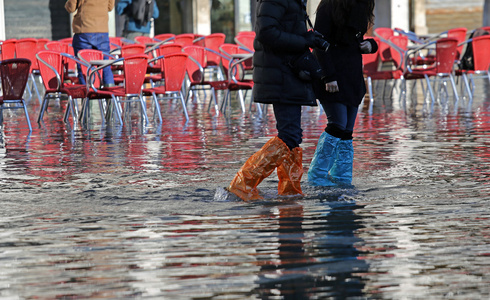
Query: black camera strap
pixel 303 5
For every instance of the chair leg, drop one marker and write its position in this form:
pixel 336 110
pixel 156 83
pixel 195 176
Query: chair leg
pixel 116 105
pixel 28 89
pixel 26 113
pixel 85 114
pixel 69 108
pixel 33 79
pixel 181 96
pixel 384 87
pixel 431 92
pixel 371 96
pixel 455 90
pixel 224 104
pixel 472 81
pixel 467 86
pixel 393 85
pixel 102 108
pixel 143 109
pixel 157 106
pixel 44 105
pixel 403 90
pixel 214 101
pixel 242 101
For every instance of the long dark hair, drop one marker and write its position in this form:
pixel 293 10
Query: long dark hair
pixel 341 9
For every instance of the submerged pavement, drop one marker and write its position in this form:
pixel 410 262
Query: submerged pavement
pixel 130 212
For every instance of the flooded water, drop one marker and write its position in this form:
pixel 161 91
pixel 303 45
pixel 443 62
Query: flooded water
pixel 118 213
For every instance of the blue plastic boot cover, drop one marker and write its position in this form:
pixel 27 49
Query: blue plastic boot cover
pixel 341 171
pixel 323 160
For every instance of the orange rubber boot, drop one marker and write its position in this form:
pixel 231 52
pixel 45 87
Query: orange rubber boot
pixel 290 173
pixel 259 166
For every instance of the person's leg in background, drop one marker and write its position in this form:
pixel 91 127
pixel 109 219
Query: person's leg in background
pixel 102 43
pixel 130 35
pixel 81 41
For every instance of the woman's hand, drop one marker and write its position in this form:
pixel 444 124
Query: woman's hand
pixel 365 47
pixel 332 87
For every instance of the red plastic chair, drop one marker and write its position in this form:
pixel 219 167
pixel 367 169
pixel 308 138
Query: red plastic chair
pixel 88 55
pixel 52 69
pixel 57 46
pixel 372 70
pixel 8 49
pixel 384 49
pixel 246 32
pixel 155 65
pixel 134 70
pixel 70 65
pixel 67 40
pixel 195 70
pixel 165 37
pixel 212 43
pixel 234 68
pixel 125 51
pixel 199 40
pixel 185 39
pixel 198 80
pixel 398 49
pixel 145 40
pixel 27 48
pixel 174 65
pixel 481 61
pixel 41 43
pixel 132 49
pixel 459 34
pixel 227 50
pixel 14 74
pixel 115 42
pixel 443 67
pixel 246 39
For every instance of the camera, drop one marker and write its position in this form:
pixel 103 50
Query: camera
pixel 320 41
pixel 323 45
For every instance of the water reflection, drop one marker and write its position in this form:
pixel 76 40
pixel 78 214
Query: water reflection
pixel 314 256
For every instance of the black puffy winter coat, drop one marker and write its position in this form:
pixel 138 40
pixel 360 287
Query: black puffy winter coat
pixel 279 28
pixel 343 60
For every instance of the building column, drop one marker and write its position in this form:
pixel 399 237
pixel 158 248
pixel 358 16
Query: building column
pixel 419 17
pixel 486 13
pixel 400 14
pixel 112 23
pixel 202 17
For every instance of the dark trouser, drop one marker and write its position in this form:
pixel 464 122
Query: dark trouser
pixel 130 35
pixel 288 124
pixel 99 41
pixel 341 117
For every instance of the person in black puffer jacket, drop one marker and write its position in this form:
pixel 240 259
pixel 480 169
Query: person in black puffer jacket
pixel 281 34
pixel 344 24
